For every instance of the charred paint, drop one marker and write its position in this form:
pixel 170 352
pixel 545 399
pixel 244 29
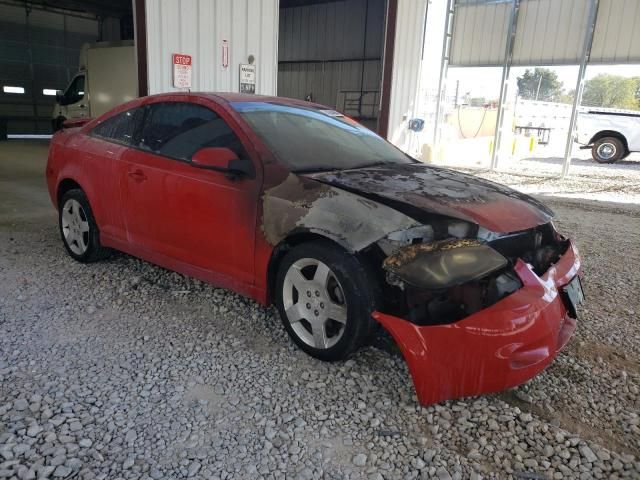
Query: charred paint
pixel 417 189
pixel 300 204
pixel 407 254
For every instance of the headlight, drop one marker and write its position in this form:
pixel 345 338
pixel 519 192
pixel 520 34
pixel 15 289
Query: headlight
pixel 444 264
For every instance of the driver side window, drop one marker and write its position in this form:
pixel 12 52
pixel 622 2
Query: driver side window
pixel 75 92
pixel 179 129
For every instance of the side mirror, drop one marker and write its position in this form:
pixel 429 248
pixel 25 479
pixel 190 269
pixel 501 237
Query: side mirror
pixel 222 160
pixel 59 96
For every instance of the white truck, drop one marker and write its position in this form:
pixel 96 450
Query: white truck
pixel 107 77
pixel 610 134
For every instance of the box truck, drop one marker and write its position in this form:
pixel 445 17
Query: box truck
pixel 107 76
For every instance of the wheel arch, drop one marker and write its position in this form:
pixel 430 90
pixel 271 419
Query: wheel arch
pixel 64 186
pixel 370 254
pixel 610 133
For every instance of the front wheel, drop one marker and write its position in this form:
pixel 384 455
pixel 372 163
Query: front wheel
pixel 608 150
pixel 325 297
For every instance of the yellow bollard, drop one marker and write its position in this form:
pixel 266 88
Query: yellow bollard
pixel 532 143
pixel 490 147
pixel 513 147
pixel 427 153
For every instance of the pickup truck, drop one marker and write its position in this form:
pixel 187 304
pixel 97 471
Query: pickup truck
pixel 611 135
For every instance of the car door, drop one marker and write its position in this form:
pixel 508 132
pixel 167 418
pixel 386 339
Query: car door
pixel 182 216
pixel 102 149
pixel 75 99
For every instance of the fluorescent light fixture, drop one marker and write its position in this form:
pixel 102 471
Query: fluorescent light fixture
pixel 7 89
pixel 48 91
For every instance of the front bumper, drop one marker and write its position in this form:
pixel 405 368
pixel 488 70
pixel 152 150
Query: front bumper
pixel 499 347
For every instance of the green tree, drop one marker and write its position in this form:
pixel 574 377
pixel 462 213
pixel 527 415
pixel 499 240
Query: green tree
pixel 566 97
pixel 540 84
pixel 611 91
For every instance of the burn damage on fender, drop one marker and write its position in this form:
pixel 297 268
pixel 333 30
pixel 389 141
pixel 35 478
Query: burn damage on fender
pixel 445 243
pixel 299 204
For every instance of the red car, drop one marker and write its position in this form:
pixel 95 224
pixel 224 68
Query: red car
pixel 292 203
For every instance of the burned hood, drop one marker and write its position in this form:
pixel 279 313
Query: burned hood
pixel 416 189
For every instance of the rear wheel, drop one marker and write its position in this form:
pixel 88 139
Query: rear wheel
pixel 325 297
pixel 608 150
pixel 78 228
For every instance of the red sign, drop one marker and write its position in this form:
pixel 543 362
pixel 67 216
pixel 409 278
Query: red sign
pixel 179 59
pixel 181 70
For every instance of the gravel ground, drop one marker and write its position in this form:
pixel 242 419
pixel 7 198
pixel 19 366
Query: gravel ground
pixel 618 182
pixel 121 369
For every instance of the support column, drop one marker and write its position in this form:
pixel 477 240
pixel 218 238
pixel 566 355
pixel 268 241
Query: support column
pixel 140 36
pixel 577 98
pixel 387 67
pixel 444 69
pixel 506 71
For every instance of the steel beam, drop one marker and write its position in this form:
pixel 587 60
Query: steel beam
pixel 506 72
pixel 577 98
pixel 444 67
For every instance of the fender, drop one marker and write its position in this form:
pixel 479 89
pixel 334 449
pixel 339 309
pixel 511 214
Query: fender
pixel 300 204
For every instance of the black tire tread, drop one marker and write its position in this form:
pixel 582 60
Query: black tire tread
pixel 96 251
pixel 620 149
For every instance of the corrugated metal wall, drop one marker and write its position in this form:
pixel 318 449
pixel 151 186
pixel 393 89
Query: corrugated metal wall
pixel 617 35
pixel 198 28
pixel 322 52
pixel 549 32
pixel 406 70
pixel 50 46
pixel 480 34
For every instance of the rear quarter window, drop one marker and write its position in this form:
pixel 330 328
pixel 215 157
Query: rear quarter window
pixel 120 128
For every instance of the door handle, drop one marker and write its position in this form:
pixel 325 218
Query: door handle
pixel 82 105
pixel 138 176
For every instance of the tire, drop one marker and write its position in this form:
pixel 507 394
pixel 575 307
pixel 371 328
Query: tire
pixel 78 228
pixel 608 150
pixel 327 316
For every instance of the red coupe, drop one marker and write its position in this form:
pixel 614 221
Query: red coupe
pixel 293 203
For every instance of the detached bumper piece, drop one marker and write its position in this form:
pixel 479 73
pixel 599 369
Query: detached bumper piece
pixel 499 347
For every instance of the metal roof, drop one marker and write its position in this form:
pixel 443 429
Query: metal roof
pixel 548 32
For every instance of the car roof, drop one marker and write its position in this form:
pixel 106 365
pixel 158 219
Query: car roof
pixel 232 97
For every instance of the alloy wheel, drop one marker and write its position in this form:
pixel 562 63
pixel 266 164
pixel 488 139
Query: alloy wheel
pixel 314 303
pixel 75 227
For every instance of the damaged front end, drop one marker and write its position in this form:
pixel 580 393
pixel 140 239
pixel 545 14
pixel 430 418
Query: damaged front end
pixel 492 294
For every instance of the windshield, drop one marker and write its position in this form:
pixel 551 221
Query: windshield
pixel 310 139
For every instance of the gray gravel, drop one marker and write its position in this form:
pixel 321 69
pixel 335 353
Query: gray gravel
pixel 124 370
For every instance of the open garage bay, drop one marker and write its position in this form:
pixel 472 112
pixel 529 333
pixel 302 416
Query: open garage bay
pixel 121 369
